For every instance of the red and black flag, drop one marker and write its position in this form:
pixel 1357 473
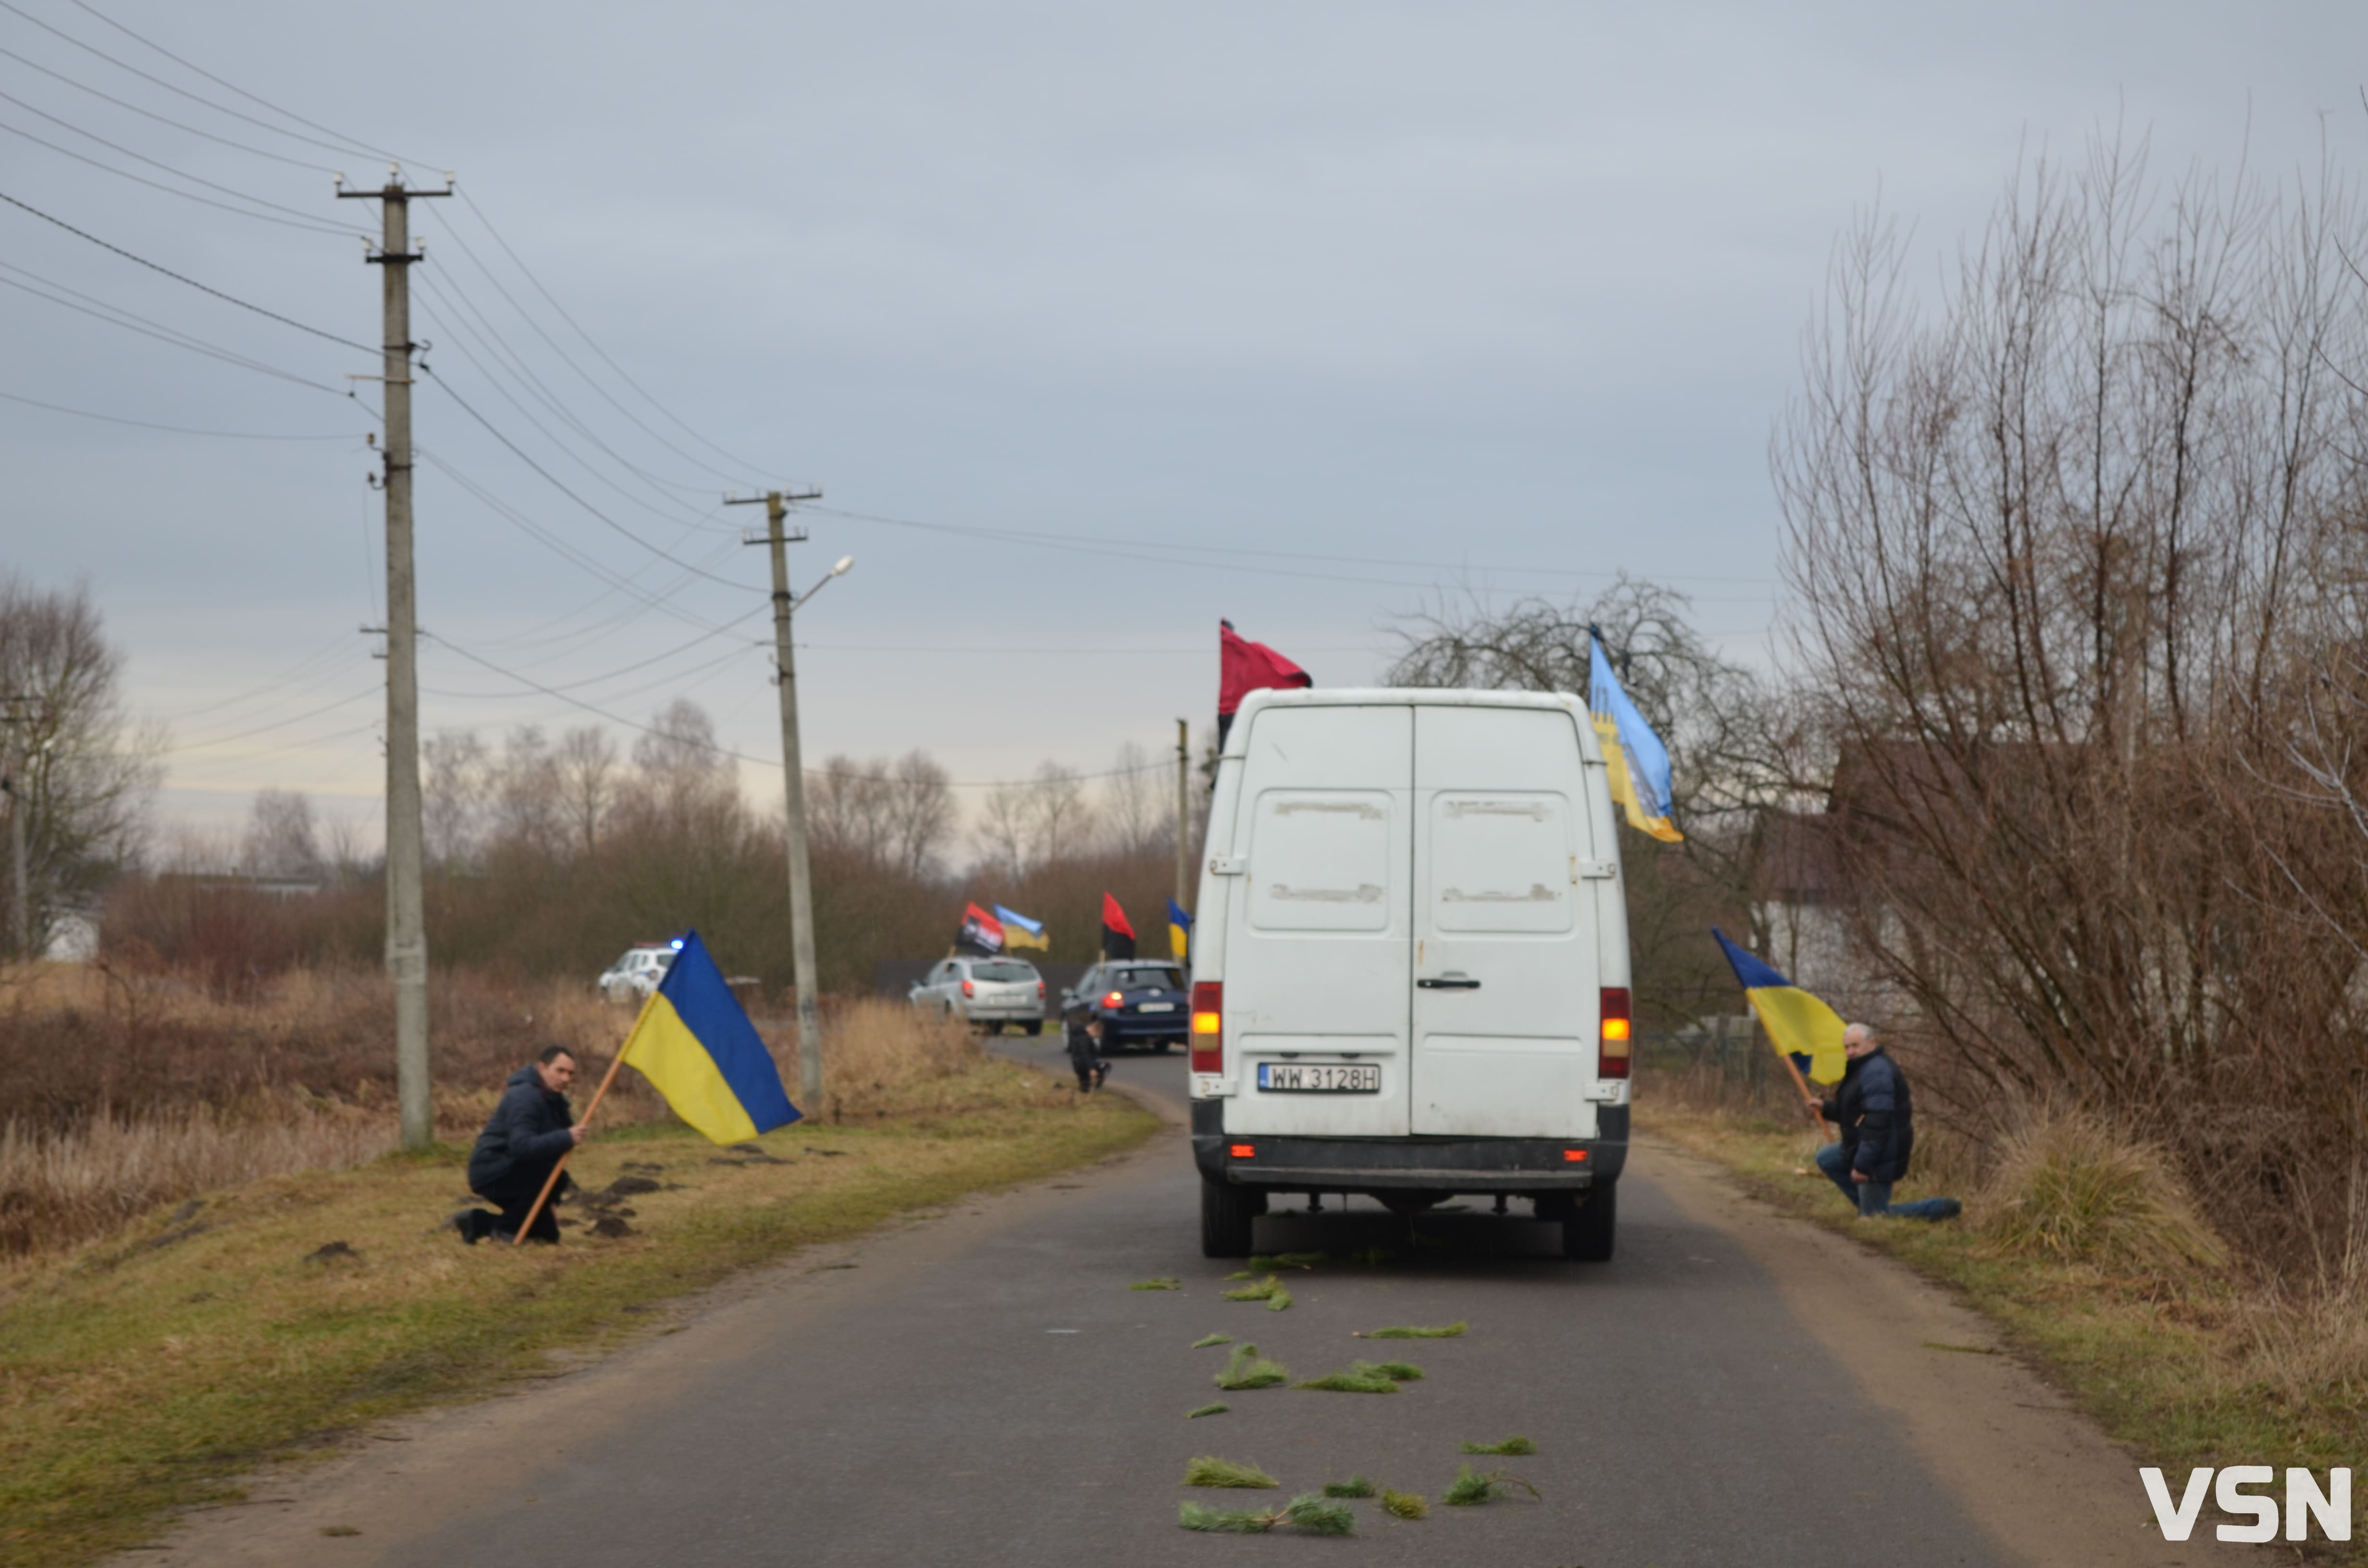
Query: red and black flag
pixel 1118 933
pixel 1244 666
pixel 980 933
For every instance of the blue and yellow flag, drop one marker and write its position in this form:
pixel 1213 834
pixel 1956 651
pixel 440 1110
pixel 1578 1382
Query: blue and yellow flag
pixel 1638 762
pixel 1798 1025
pixel 698 1049
pixel 1018 931
pixel 1180 932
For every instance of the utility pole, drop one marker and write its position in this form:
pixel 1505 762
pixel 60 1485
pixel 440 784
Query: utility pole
pixel 406 921
pixel 794 786
pixel 1183 816
pixel 12 783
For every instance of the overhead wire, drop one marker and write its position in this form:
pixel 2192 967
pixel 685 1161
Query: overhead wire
pixel 116 315
pixel 173 429
pixel 182 278
pixel 160 118
pixel 307 218
pixel 317 228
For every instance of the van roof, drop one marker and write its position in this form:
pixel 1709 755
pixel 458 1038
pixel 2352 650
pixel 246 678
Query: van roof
pixel 1410 696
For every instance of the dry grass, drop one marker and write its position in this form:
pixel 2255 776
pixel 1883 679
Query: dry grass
pixel 2070 1186
pixel 119 1093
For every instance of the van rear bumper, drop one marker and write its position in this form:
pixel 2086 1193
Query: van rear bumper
pixel 1370 1164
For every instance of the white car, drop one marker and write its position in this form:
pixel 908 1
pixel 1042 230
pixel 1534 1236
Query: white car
pixel 634 976
pixel 989 993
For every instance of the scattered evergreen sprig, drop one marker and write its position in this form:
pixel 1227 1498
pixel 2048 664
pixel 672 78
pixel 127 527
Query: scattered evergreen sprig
pixel 1259 1291
pixel 1246 1369
pixel 1510 1445
pixel 1404 1504
pixel 1280 1301
pixel 1210 1471
pixel 1355 1486
pixel 1309 1513
pixel 1409 1331
pixel 1208 1340
pixel 1470 1488
pixel 1218 1409
pixel 1163 1282
pixel 1365 1377
pixel 1261 1262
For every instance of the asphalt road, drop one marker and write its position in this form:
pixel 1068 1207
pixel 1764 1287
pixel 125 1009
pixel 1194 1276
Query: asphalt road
pixel 985 1389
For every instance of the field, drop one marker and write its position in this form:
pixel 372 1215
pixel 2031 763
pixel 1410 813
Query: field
pixel 259 1317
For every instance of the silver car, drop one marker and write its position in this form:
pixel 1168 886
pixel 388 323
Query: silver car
pixel 634 976
pixel 989 993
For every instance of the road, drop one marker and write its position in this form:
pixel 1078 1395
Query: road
pixel 981 1387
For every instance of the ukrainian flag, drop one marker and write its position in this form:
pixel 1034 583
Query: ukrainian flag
pixel 699 1050
pixel 1638 762
pixel 1798 1024
pixel 1018 931
pixel 1180 932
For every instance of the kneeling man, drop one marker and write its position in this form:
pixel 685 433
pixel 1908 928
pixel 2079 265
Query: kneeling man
pixel 523 1141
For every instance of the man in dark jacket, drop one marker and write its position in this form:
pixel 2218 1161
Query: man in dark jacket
pixel 523 1141
pixel 1877 1121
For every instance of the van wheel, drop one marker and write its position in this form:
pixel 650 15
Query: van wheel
pixel 1588 1238
pixel 1225 1214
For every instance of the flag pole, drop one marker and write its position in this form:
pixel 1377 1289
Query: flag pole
pixel 1809 1101
pixel 606 1079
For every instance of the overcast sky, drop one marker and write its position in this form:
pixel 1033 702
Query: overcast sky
pixel 1301 314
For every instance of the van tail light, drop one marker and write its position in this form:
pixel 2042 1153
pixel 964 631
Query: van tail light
pixel 1612 1053
pixel 1207 1026
pixel 969 988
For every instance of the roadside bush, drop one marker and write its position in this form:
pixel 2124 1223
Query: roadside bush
pixel 2071 1187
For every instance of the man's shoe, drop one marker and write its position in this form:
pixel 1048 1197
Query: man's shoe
pixel 465 1221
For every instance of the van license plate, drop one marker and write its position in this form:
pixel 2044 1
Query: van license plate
pixel 1357 1079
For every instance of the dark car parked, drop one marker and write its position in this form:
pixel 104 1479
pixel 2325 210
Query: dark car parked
pixel 1140 1003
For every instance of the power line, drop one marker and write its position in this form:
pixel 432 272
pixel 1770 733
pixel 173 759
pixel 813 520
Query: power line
pixel 175 430
pixel 159 118
pixel 177 278
pixel 556 483
pixel 146 328
pixel 350 144
pixel 315 228
pixel 159 164
pixel 341 146
pixel 479 213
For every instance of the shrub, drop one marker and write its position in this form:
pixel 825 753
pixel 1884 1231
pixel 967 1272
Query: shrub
pixel 2071 1187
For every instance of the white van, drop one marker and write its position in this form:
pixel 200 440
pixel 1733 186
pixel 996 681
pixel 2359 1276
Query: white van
pixel 1410 971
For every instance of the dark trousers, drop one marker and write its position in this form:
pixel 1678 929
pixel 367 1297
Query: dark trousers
pixel 516 1196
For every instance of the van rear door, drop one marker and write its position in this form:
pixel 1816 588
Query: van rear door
pixel 1506 966
pixel 1319 941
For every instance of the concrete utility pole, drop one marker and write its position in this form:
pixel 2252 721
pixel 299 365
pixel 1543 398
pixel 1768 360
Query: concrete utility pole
pixel 406 921
pixel 1183 816
pixel 793 783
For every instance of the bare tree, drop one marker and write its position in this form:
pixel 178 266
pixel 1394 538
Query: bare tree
pixel 454 774
pixel 2066 550
pixel 585 769
pixel 282 838
pixel 527 805
pixel 79 767
pixel 921 815
pixel 1138 803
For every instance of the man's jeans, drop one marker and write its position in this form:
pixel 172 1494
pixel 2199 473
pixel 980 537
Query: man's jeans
pixel 1872 1199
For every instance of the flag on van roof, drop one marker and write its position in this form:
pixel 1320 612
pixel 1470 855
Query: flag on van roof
pixel 1118 932
pixel 1180 932
pixel 1798 1025
pixel 1244 666
pixel 1018 931
pixel 979 932
pixel 1637 761
pixel 698 1049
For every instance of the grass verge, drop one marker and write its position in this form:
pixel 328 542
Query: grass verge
pixel 2179 1364
pixel 140 1372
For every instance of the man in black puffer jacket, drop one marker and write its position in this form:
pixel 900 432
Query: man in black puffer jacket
pixel 523 1141
pixel 1878 1134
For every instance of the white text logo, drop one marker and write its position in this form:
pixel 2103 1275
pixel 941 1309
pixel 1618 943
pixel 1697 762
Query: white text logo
pixel 2304 1502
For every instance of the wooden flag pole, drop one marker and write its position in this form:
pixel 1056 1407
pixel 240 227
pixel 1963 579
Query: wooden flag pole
pixel 606 1079
pixel 1816 1107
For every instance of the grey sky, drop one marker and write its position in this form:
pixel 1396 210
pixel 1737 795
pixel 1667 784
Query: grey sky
pixel 1508 292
